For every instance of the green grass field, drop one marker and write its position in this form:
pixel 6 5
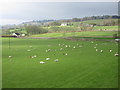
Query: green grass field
pixel 83 67
pixel 70 34
pixel 97 21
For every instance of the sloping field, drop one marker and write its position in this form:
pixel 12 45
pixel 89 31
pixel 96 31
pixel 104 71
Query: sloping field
pixel 69 34
pixel 79 64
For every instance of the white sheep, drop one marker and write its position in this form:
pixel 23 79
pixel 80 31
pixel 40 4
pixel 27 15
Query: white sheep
pixel 10 56
pixel 96 50
pixel 74 47
pixel 35 56
pixel 47 58
pixel 41 62
pixel 92 42
pixel 46 50
pixel 28 50
pixel 110 50
pixel 66 54
pixel 94 47
pixel 101 50
pixel 80 46
pixel 118 40
pixel 32 57
pixel 30 46
pixel 116 54
pixel 56 60
pixel 61 48
pixel 66 46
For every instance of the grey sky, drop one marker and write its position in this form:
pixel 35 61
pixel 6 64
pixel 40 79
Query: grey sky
pixel 24 11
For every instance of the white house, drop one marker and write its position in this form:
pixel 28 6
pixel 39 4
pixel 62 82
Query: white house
pixel 64 24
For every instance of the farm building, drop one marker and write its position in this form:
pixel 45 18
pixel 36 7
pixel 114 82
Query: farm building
pixel 16 34
pixel 64 24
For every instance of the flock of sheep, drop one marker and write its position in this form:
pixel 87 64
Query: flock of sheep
pixel 63 46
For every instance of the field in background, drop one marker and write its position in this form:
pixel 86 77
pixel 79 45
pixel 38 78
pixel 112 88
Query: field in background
pixel 83 67
pixel 80 34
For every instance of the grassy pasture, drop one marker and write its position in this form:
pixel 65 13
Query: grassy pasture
pixel 83 67
pixel 98 21
pixel 106 27
pixel 69 34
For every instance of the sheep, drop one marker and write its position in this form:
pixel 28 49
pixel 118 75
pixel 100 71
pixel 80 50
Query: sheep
pixel 10 56
pixel 96 50
pixel 92 42
pixel 47 58
pixel 74 47
pixel 32 56
pixel 110 50
pixel 49 50
pixel 94 47
pixel 117 40
pixel 66 46
pixel 61 48
pixel 41 62
pixel 46 50
pixel 116 54
pixel 80 46
pixel 101 51
pixel 28 50
pixel 56 60
pixel 66 54
pixel 35 56
pixel 30 46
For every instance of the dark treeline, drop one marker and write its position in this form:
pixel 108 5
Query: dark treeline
pixel 91 18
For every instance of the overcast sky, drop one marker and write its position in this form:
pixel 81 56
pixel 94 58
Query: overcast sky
pixel 18 12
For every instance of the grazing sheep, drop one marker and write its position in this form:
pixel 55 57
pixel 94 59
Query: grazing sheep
pixel 35 56
pixel 117 40
pixel 74 47
pixel 116 54
pixel 92 42
pixel 61 48
pixel 66 54
pixel 56 60
pixel 94 47
pixel 66 46
pixel 10 56
pixel 80 46
pixel 30 46
pixel 32 56
pixel 41 62
pixel 101 51
pixel 28 50
pixel 47 58
pixel 49 50
pixel 110 50
pixel 96 50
